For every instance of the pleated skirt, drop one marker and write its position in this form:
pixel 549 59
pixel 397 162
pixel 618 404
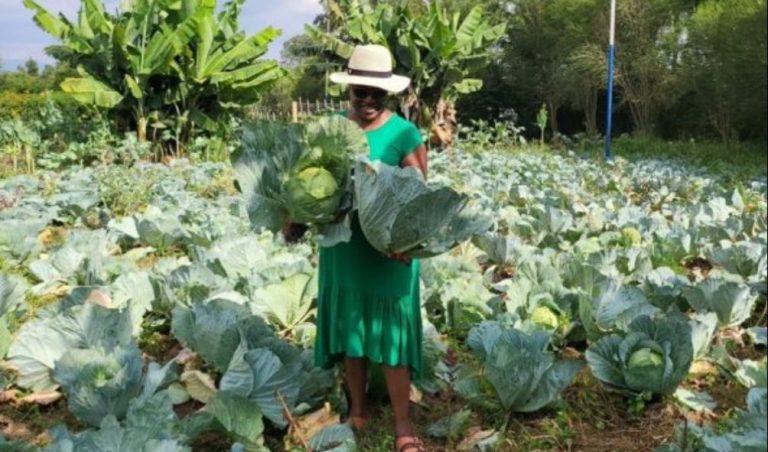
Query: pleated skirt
pixel 367 306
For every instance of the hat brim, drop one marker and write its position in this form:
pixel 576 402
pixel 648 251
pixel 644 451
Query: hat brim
pixel 392 84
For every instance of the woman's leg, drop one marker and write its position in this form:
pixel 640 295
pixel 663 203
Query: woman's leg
pixel 355 370
pixel 399 387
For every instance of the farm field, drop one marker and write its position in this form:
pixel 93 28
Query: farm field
pixel 583 182
pixel 611 306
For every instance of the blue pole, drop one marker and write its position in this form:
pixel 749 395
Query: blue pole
pixel 609 100
pixel 609 104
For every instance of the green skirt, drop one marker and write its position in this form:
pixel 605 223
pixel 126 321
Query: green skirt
pixel 367 306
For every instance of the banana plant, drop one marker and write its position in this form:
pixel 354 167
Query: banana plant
pixel 435 48
pixel 161 61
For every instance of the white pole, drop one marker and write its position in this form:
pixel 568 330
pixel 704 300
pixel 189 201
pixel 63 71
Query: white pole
pixel 609 100
pixel 612 33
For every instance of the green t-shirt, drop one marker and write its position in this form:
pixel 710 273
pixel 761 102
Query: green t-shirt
pixel 393 140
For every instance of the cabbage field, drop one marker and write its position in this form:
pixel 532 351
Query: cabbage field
pixel 610 306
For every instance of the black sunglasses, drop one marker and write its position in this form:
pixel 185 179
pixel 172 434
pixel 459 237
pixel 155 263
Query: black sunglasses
pixel 374 93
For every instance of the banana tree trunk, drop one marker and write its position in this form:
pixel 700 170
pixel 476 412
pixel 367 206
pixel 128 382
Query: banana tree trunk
pixel 444 124
pixel 141 129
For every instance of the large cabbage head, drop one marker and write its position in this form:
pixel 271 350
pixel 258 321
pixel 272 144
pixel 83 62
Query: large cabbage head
pixel 646 364
pixel 298 173
pixel 545 318
pixel 313 195
pixel 652 356
pixel 645 357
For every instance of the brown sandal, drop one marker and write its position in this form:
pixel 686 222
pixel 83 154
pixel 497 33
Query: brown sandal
pixel 417 444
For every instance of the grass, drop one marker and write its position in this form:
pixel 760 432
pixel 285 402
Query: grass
pixel 737 162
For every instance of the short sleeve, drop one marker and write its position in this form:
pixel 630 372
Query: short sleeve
pixel 409 139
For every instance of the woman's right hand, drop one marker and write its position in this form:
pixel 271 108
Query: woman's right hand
pixel 400 257
pixel 293 232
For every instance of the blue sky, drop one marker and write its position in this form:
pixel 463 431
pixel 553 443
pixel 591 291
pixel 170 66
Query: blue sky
pixel 20 38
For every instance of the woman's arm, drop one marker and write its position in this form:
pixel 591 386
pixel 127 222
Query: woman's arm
pixel 417 158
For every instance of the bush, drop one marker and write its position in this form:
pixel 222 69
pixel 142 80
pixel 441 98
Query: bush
pixel 26 106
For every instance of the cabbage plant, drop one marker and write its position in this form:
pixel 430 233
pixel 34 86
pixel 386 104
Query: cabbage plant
pixel 298 173
pixel 732 301
pixel 39 343
pixel 210 329
pixel 613 309
pixel 652 357
pixel 99 382
pixel 746 258
pixel 150 425
pixel 12 290
pixel 744 431
pixel 400 213
pixel 523 374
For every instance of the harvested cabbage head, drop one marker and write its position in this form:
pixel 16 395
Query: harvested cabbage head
pixel 298 173
pixel 313 196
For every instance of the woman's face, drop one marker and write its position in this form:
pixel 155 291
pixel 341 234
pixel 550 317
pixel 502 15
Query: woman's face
pixel 367 101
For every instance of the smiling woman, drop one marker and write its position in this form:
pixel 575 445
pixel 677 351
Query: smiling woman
pixel 368 303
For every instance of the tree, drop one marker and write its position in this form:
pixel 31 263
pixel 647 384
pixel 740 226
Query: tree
pixel 167 64
pixel 30 67
pixel 725 66
pixel 647 43
pixel 537 53
pixel 585 22
pixel 436 48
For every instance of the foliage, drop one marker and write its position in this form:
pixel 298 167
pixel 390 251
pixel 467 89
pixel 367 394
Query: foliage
pixel 725 58
pixel 80 326
pixel 433 46
pixel 210 329
pixel 731 301
pixel 89 265
pixel 150 425
pixel 99 382
pixel 741 162
pixel 481 134
pixel 161 65
pixel 744 431
pixel 684 69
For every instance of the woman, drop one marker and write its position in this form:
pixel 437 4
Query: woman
pixel 368 303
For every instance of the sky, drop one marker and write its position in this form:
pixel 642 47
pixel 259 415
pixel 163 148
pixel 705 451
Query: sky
pixel 20 37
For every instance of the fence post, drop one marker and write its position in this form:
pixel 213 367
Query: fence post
pixel 294 111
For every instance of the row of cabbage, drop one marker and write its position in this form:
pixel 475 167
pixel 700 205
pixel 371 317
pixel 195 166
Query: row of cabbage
pixel 240 301
pixel 649 266
pixel 578 254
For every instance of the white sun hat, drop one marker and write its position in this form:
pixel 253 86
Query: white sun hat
pixel 371 65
